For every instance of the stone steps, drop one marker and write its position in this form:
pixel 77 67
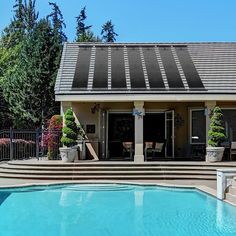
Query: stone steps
pixel 107 172
pixel 231 194
pixel 106 168
pixel 56 170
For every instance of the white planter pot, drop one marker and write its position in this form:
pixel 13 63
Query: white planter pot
pixel 214 154
pixel 68 154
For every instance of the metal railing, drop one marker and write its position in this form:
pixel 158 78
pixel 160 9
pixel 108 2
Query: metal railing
pixel 25 144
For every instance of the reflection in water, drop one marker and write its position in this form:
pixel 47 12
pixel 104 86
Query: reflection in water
pixel 4 196
pixel 138 211
pixel 219 214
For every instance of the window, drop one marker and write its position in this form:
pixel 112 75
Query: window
pixel 198 126
pixel 230 123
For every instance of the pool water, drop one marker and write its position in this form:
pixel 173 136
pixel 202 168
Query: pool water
pixel 113 209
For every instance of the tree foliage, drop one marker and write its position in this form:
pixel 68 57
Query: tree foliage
pixel 28 83
pixel 108 33
pixel 217 130
pixel 83 31
pixel 30 53
pixel 32 83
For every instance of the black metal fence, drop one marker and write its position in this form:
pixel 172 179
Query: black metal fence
pixel 26 144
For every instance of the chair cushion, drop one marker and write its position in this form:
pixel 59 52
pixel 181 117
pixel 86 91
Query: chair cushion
pixel 148 145
pixel 159 146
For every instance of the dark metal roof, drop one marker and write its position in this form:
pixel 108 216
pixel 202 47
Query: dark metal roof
pixel 147 68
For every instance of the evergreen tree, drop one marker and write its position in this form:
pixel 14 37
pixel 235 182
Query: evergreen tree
pixel 217 130
pixel 83 32
pixel 14 33
pixel 30 15
pixel 81 28
pixel 30 89
pixel 58 23
pixel 70 130
pixel 58 37
pixel 108 33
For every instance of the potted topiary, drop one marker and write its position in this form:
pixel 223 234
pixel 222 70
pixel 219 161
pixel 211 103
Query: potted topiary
pixel 216 136
pixel 69 137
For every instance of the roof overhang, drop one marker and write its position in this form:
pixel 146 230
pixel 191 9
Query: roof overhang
pixel 146 97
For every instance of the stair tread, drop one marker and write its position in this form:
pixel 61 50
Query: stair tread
pixel 107 176
pixel 5 166
pixel 105 172
pixel 131 163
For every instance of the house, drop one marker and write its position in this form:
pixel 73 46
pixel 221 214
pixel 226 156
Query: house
pixel 148 92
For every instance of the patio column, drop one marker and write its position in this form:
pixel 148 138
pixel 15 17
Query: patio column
pixel 138 131
pixel 209 106
pixel 64 107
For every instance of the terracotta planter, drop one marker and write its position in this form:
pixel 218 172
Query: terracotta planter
pixel 68 154
pixel 214 154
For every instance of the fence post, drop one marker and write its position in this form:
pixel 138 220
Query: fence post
pixel 37 143
pixel 11 144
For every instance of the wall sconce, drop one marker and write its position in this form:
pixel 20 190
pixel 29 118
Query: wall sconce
pixel 179 121
pixel 95 108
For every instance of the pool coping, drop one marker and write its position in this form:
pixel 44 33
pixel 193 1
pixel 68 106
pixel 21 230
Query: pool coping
pixel 201 188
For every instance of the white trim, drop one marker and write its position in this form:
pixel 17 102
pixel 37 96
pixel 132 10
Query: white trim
pixel 145 97
pixel 172 112
pixel 191 109
pixel 121 111
pixel 155 110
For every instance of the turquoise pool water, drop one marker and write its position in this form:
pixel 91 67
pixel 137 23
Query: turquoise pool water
pixel 102 210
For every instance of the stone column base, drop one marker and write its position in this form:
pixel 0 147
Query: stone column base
pixel 139 158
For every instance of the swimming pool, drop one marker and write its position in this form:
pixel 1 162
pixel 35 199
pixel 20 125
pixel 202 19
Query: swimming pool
pixel 113 209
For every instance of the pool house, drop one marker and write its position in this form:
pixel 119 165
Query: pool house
pixel 148 101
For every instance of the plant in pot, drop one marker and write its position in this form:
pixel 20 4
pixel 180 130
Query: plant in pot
pixel 69 137
pixel 216 136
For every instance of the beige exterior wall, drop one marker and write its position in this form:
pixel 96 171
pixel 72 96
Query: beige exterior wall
pixel 182 134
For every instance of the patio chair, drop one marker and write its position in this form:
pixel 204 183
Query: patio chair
pixel 198 152
pixel 158 150
pixel 128 149
pixel 148 147
pixel 232 150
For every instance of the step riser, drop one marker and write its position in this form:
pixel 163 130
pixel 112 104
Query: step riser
pixel 97 164
pixel 232 190
pixel 234 184
pixel 102 173
pixel 109 178
pixel 108 169
pixel 231 198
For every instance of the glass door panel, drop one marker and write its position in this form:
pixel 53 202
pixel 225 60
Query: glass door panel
pixel 169 133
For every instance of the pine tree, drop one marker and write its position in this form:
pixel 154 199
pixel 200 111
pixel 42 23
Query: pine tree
pixel 30 90
pixel 30 15
pixel 83 32
pixel 108 33
pixel 58 23
pixel 58 37
pixel 14 33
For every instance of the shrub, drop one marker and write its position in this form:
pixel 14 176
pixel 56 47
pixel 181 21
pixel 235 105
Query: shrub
pixel 70 130
pixel 217 130
pixel 53 136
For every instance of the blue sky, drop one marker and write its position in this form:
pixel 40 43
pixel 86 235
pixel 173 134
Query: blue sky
pixel 147 21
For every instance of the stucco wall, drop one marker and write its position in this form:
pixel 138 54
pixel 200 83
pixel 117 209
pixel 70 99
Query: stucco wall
pixel 85 116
